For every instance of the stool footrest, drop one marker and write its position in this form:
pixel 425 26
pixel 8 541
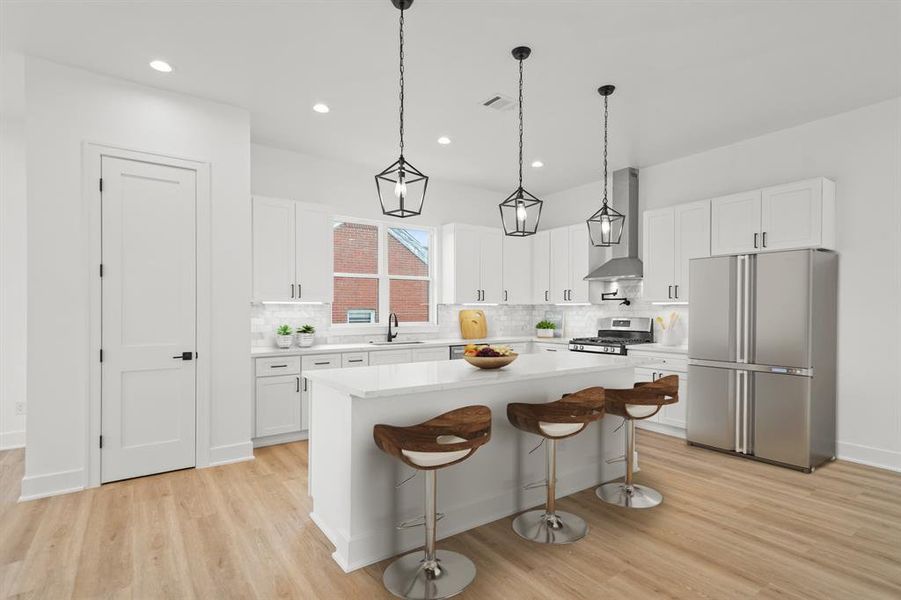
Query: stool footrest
pixel 417 522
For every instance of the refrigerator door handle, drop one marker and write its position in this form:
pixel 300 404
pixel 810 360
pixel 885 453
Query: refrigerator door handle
pixel 745 399
pixel 738 429
pixel 739 309
pixel 746 311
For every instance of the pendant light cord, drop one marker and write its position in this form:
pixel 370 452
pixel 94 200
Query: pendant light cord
pixel 605 150
pixel 520 123
pixel 401 81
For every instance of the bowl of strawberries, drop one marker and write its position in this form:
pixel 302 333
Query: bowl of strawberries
pixel 488 356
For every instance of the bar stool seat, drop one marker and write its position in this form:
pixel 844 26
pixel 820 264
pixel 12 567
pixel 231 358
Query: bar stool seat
pixel 440 442
pixel 641 402
pixel 554 421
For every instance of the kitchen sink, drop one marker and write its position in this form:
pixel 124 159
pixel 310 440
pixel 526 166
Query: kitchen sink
pixel 396 343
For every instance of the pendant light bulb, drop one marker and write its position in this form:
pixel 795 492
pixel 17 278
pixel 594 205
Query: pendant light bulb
pixel 400 188
pixel 605 225
pixel 521 213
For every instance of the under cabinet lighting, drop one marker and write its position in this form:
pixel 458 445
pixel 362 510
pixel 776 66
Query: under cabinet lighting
pixel 161 66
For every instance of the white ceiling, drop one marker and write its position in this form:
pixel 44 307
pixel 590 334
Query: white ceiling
pixel 690 75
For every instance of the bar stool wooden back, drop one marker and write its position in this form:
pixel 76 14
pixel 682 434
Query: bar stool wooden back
pixel 641 402
pixel 440 442
pixel 555 421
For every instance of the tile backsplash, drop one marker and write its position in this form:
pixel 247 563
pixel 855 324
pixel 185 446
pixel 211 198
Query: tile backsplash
pixel 502 320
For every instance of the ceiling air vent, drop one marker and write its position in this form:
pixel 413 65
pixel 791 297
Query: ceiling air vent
pixel 499 102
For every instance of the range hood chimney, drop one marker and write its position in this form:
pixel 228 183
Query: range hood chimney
pixel 625 263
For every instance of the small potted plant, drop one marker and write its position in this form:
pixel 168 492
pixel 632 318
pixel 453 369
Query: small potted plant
pixel 284 336
pixel 545 329
pixel 305 335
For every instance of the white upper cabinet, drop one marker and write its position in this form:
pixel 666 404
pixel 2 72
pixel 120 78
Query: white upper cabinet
pixel 782 217
pixel 517 270
pixel 578 262
pixel 292 251
pixel 735 223
pixel 541 268
pixel 560 272
pixel 671 237
pixel 472 266
pixel 568 260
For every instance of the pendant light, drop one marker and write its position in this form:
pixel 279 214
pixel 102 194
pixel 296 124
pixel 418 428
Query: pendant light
pixel 605 227
pixel 401 186
pixel 521 210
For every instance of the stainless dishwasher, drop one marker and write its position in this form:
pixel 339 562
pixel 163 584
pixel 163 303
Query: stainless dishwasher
pixel 456 352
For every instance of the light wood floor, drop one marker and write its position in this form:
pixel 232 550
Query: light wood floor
pixel 728 528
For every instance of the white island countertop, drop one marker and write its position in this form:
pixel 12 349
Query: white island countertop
pixel 266 351
pixel 391 380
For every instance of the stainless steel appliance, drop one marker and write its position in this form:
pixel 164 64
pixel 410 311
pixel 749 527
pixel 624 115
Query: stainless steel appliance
pixel 615 335
pixel 762 348
pixel 456 352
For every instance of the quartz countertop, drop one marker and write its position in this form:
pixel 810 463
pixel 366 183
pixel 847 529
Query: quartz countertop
pixel 264 351
pixel 659 349
pixel 409 378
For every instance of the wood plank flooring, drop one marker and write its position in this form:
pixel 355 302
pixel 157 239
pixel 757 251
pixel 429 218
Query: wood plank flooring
pixel 728 528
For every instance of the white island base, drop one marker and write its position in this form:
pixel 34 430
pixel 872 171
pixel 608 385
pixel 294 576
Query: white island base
pixel 353 484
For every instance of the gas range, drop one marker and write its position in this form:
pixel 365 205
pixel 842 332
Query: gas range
pixel 615 335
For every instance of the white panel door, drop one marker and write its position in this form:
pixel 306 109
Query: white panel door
pixel 517 270
pixel 273 250
pixel 735 224
pixel 467 251
pixel 314 251
pixel 692 229
pixel 278 405
pixel 148 318
pixel 541 268
pixel 658 245
pixel 491 265
pixel 560 270
pixel 791 215
pixel 578 263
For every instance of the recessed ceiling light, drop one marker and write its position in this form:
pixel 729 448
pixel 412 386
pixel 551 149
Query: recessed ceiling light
pixel 321 108
pixel 537 164
pixel 161 66
pixel 444 140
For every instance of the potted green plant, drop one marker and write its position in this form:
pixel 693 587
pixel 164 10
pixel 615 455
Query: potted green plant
pixel 284 336
pixel 545 329
pixel 305 335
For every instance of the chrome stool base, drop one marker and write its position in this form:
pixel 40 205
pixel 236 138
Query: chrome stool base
pixel 408 577
pixel 640 496
pixel 560 528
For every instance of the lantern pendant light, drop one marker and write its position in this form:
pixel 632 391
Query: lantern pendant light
pixel 605 227
pixel 521 211
pixel 401 186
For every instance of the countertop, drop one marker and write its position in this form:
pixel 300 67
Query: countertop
pixel 659 349
pixel 262 352
pixel 409 378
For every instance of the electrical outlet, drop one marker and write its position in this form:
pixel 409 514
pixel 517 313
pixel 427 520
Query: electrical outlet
pixel 20 408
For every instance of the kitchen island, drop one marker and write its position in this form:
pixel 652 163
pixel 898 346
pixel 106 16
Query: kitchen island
pixel 356 501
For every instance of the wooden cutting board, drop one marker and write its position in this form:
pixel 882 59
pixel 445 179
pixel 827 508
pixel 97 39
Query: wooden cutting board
pixel 473 325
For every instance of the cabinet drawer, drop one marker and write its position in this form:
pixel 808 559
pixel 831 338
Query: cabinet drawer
pixel 521 347
pixel 431 354
pixel 390 357
pixel 321 361
pixel 354 359
pixel 662 362
pixel 278 365
pixel 539 347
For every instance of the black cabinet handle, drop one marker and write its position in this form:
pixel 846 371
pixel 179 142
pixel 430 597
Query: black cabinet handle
pixel 505 295
pixel 764 239
pixel 355 360
pixel 185 356
pixel 545 295
pixel 304 384
pixel 299 291
pixel 321 363
pixel 298 385
pixel 677 290
pixel 292 290
pixel 755 240
pixel 669 292
pixel 277 366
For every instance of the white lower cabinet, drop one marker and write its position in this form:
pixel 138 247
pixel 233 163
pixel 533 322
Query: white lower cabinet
pixel 544 347
pixel 391 357
pixel 278 407
pixel 671 419
pixel 430 354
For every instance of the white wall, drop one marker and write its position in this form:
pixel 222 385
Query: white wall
pixel 12 249
pixel 350 188
pixel 65 108
pixel 861 151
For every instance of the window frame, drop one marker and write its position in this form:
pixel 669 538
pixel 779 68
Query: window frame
pixel 384 279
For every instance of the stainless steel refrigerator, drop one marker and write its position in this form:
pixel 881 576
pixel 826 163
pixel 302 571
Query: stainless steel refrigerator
pixel 762 351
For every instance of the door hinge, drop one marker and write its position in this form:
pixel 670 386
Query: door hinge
pixel 101 441
pixel 101 184
pixel 101 355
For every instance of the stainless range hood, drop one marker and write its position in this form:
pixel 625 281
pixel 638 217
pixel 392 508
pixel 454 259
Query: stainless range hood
pixel 625 263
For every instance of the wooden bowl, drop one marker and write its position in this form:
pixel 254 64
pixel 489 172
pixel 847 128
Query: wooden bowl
pixel 490 362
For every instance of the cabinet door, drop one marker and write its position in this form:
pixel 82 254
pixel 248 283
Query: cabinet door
pixel 658 244
pixel 517 270
pixel 791 215
pixel 390 357
pixel 467 271
pixel 430 354
pixel 273 249
pixel 692 231
pixel 560 271
pixel 735 224
pixel 674 414
pixel 578 263
pixel 491 265
pixel 541 268
pixel 314 247
pixel 278 405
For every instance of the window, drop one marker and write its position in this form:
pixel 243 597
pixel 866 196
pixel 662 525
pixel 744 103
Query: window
pixel 380 269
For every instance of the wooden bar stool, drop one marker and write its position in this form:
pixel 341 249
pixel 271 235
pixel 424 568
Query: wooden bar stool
pixel 554 421
pixel 641 402
pixel 437 443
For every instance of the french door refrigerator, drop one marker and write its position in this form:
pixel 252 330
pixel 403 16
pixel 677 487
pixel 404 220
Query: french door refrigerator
pixel 762 351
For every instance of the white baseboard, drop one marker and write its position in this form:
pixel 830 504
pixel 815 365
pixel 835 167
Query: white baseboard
pixel 282 438
pixel 12 439
pixel 867 455
pixel 224 455
pixel 661 428
pixel 52 484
